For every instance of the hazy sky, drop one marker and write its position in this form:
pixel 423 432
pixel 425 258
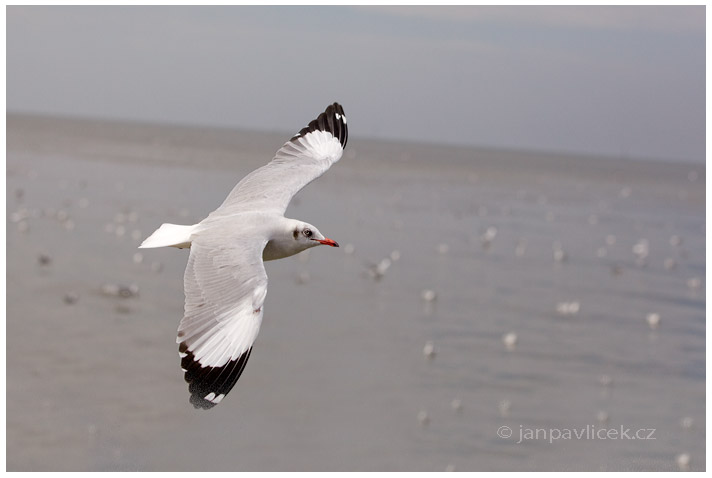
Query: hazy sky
pixel 621 81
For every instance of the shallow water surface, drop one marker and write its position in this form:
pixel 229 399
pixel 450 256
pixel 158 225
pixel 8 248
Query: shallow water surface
pixel 569 256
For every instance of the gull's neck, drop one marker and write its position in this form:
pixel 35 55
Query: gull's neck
pixel 282 242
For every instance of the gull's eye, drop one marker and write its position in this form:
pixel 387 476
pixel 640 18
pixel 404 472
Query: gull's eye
pixel 307 232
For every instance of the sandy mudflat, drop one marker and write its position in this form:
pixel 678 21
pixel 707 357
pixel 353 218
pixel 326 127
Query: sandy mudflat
pixel 571 255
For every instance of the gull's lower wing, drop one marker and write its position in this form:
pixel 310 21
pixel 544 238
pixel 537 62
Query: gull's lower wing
pixel 225 288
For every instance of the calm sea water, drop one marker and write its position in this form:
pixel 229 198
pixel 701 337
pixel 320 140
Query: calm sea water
pixel 569 309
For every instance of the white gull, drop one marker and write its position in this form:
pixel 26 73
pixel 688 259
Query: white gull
pixel 225 281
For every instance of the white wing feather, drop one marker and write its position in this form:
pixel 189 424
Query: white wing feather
pixel 302 159
pixel 225 288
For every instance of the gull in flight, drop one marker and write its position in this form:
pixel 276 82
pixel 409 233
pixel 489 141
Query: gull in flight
pixel 225 280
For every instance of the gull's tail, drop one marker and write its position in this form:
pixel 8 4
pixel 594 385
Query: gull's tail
pixel 170 235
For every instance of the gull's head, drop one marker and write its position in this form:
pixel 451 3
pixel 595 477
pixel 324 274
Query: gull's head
pixel 309 236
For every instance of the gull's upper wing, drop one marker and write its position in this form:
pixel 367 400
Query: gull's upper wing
pixel 302 159
pixel 225 288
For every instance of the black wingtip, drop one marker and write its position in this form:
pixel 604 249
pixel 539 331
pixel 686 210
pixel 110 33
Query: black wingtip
pixel 201 403
pixel 332 120
pixel 209 385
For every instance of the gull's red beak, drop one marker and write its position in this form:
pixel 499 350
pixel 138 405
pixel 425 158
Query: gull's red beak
pixel 328 242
